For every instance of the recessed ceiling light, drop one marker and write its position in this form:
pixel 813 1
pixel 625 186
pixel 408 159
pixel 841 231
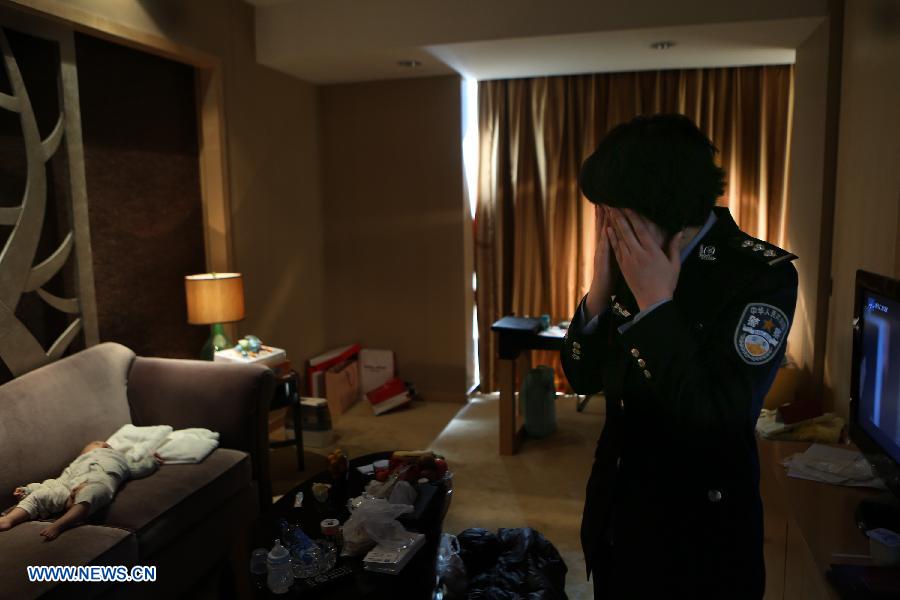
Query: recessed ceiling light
pixel 662 45
pixel 409 63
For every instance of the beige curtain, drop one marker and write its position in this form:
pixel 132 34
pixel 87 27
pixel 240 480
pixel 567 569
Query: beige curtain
pixel 534 231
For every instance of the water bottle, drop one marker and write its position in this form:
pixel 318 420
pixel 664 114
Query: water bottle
pixel 280 577
pixel 538 402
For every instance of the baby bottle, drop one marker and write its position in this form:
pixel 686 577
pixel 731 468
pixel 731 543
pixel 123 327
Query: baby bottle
pixel 280 577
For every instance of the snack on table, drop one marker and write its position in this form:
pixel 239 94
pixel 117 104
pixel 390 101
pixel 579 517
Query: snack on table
pixel 320 491
pixel 338 464
pixel 414 465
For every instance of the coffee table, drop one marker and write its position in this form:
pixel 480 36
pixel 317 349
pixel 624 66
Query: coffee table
pixel 348 579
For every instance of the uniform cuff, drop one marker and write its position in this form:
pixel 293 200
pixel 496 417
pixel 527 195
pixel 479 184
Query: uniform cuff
pixel 588 327
pixel 626 326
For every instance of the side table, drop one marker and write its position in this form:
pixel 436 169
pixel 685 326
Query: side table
pixel 516 338
pixel 287 395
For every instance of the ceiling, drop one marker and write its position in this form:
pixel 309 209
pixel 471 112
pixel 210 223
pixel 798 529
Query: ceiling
pixel 336 41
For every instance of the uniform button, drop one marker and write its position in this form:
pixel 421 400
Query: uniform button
pixel 576 357
pixel 618 462
pixel 635 353
pixel 576 345
pixel 714 495
pixel 642 363
pixel 647 374
pixel 621 405
pixel 699 326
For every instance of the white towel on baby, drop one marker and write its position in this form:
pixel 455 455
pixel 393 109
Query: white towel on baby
pixel 184 446
pixel 138 443
pixel 187 446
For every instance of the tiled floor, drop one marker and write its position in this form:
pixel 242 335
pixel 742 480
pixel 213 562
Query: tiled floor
pixel 541 487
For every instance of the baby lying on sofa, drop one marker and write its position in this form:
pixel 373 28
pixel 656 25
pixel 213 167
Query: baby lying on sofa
pixel 85 486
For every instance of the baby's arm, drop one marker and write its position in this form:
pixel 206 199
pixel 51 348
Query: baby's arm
pixel 144 467
pixel 76 515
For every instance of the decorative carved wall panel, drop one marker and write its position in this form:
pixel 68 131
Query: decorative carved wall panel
pixel 63 278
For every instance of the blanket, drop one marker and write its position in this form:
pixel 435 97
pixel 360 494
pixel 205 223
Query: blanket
pixel 184 446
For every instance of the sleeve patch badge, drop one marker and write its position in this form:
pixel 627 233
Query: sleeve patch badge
pixel 760 333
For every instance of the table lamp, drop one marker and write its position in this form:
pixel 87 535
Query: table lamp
pixel 214 299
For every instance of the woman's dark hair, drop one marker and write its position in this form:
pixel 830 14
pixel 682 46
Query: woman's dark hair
pixel 661 166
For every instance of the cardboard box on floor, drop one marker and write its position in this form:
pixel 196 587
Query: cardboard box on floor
pixel 342 387
pixel 376 368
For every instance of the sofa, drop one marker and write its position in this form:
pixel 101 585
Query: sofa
pixel 183 519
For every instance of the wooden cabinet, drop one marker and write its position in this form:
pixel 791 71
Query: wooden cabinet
pixel 807 523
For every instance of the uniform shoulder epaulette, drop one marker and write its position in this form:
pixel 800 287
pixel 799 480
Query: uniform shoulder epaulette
pixel 759 250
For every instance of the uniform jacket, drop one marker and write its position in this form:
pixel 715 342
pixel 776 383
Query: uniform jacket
pixel 674 490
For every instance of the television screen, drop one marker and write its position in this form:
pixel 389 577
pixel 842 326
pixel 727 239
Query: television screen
pixel 878 386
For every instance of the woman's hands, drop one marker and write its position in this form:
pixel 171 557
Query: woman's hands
pixel 605 271
pixel 650 272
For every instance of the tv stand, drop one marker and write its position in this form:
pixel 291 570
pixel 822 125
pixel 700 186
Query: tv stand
pixel 809 527
pixel 881 510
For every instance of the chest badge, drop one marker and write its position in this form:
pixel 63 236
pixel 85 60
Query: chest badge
pixel 707 252
pixel 760 332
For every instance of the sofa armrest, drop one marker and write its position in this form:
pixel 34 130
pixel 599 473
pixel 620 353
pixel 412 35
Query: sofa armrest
pixel 230 399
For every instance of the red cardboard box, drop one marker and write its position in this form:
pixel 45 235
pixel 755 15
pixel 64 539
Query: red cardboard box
pixel 389 396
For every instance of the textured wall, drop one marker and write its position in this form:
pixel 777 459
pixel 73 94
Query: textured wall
pixel 139 127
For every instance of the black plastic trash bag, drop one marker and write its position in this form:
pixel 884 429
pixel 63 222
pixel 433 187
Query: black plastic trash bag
pixel 512 564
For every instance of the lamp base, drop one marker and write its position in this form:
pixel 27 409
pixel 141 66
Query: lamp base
pixel 217 341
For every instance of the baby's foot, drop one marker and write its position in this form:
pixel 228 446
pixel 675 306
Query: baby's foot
pixel 51 532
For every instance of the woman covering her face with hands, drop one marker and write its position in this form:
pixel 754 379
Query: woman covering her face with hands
pixel 683 329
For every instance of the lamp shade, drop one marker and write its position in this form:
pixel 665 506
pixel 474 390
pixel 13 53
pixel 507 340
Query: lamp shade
pixel 214 298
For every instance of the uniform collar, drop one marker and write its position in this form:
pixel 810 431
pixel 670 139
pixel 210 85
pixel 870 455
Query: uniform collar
pixel 710 221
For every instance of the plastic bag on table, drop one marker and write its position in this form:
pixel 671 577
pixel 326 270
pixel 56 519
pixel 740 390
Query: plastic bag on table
pixel 403 493
pixel 383 489
pixel 375 522
pixel 449 570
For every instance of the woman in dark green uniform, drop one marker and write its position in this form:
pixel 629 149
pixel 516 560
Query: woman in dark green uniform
pixel 684 328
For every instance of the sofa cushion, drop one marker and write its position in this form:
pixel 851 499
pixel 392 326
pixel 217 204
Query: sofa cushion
pixel 162 506
pixel 51 413
pixel 200 550
pixel 83 545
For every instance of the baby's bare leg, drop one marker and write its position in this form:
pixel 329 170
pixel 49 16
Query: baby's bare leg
pixel 76 515
pixel 14 517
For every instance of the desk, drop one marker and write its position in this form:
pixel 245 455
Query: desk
pixel 516 338
pixel 806 524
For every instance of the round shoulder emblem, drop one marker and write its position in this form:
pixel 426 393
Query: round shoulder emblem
pixel 760 333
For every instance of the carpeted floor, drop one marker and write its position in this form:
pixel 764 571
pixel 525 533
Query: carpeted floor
pixel 540 487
